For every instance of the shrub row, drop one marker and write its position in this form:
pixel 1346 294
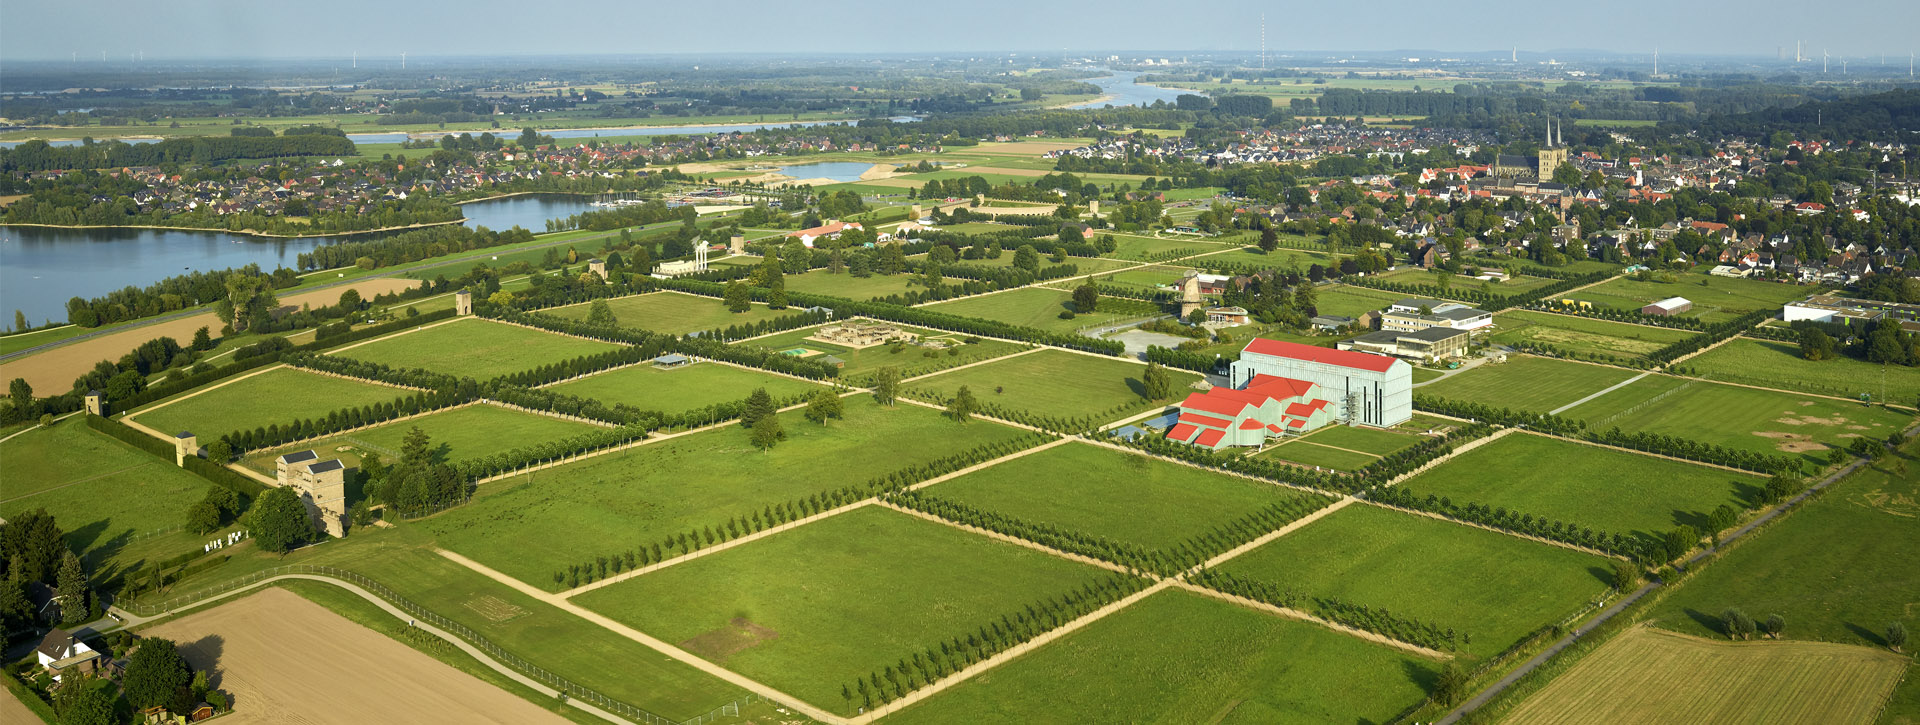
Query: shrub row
pixel 1359 616
pixel 215 473
pixel 1511 520
pixel 350 367
pixel 1628 316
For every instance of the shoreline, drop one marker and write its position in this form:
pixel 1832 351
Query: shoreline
pixel 245 233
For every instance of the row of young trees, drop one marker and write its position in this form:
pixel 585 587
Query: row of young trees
pixel 1490 301
pixel 1238 462
pixel 1617 315
pixel 415 378
pixel 1377 620
pixel 1513 520
pixel 1666 445
pixel 1710 336
pixel 275 435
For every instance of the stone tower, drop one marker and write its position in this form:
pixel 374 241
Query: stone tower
pixel 1553 155
pixel 185 446
pixel 737 245
pixel 322 486
pixel 463 303
pixel 1093 207
pixel 1190 298
pixel 96 402
pixel 598 268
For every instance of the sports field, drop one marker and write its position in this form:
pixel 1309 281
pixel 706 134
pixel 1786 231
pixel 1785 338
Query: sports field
pixel 1524 382
pixel 1555 478
pixel 1178 656
pixel 674 312
pixel 474 348
pixel 1646 675
pixel 813 608
pixel 1771 364
pixel 1583 336
pixel 682 389
pixel 1739 417
pixel 1037 307
pixel 1714 298
pixel 534 525
pixel 1489 586
pixel 908 358
pixel 459 434
pixel 1057 383
pixel 279 395
pixel 1112 494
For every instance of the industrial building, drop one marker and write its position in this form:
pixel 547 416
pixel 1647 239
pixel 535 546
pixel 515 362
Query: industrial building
pixel 1407 316
pixel 1848 310
pixel 1284 388
pixel 1431 344
pixel 1668 306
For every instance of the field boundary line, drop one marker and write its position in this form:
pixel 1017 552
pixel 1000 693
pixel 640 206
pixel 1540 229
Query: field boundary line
pixel 1264 539
pixel 1190 464
pixel 129 416
pixel 1649 454
pixel 714 549
pixel 1495 529
pixel 1009 539
pixel 408 331
pixel 1008 356
pixel 1608 389
pixel 76 483
pixel 1291 613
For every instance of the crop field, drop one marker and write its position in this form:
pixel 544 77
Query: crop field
pixel 1417 275
pixel 1714 298
pixel 1779 365
pixel 109 497
pixel 1582 335
pixel 907 357
pixel 1032 307
pixel 674 313
pixel 474 348
pixel 1646 675
pixel 1113 494
pixel 1739 417
pixel 1352 301
pixel 1056 383
pixel 1178 656
pixel 1524 382
pixel 535 525
pixel 1555 478
pixel 1087 265
pixel 279 395
pixel 1492 587
pixel 678 390
pixel 459 434
pixel 811 609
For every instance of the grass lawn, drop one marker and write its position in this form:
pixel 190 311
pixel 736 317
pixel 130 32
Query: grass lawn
pixel 1133 246
pixel 1305 453
pixel 811 609
pixel 1121 496
pixel 682 389
pixel 1352 301
pixel 1714 298
pixel 1840 570
pixel 1087 265
pixel 108 496
pixel 475 348
pixel 1370 440
pixel 1181 657
pixel 461 434
pixel 674 313
pixel 1031 307
pixel 535 525
pixel 846 285
pixel 279 395
pixel 1611 491
pixel 1646 675
pixel 1280 258
pixel 1490 586
pixel 1147 278
pixel 1421 375
pixel 908 358
pixel 1523 382
pixel 1737 417
pixel 1779 365
pixel 1056 383
pixel 1582 335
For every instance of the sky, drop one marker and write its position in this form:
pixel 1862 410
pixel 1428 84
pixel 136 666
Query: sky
pixel 188 29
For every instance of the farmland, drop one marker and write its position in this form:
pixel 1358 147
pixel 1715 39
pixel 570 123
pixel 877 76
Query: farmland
pixel 1524 382
pixel 473 348
pixel 1055 383
pixel 455 435
pixel 1715 299
pixel 1739 417
pixel 681 389
pixel 1033 307
pixel 276 396
pixel 1582 336
pixel 908 358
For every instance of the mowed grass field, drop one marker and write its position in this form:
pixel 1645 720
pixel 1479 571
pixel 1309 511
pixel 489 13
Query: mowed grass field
pixel 811 609
pixel 108 496
pixel 1715 299
pixel 1136 247
pixel 1311 455
pixel 1056 383
pixel 907 357
pixel 674 313
pixel 1113 494
pixel 1366 440
pixel 533 526
pixel 1524 382
pixel 1739 417
pixel 1352 301
pixel 1646 675
pixel 1181 657
pixel 279 395
pixel 1489 586
pixel 459 434
pixel 474 348
pixel 1582 335
pixel 690 387
pixel 1780 365
pixel 1611 491
pixel 1038 307
pixel 846 285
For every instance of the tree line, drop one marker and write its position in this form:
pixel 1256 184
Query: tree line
pixel 38 155
pixel 1377 620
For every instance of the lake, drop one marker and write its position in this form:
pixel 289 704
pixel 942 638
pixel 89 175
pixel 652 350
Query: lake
pixel 841 171
pixel 1127 91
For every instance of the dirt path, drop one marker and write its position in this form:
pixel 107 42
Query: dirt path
pixel 1028 351
pixel 247 643
pixel 13 710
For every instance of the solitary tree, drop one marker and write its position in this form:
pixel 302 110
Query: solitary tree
pixel 279 521
pixel 601 313
pixel 1450 684
pixel 1736 623
pixel 203 517
pixel 739 297
pixel 1776 624
pixel 155 673
pixel 1625 575
pixel 963 405
pixel 1897 636
pixel 1156 384
pixel 1269 240
pixel 71 583
pixel 823 405
pixel 1086 298
pixel 1815 345
pixel 759 406
pixel 1026 258
pixel 767 433
pixel 886 385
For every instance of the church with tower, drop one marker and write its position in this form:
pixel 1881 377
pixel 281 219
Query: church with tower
pixel 1552 156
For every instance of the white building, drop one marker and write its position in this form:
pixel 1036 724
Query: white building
pixel 1366 389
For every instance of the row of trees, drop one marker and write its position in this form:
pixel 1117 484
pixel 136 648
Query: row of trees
pixel 38 155
pixel 1377 620
pixel 1666 445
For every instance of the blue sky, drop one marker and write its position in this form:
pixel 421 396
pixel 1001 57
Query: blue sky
pixel 58 29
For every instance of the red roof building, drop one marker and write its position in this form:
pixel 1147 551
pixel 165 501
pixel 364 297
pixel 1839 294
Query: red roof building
pixel 1268 407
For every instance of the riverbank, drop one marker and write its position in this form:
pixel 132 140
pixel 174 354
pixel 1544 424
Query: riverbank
pixel 242 232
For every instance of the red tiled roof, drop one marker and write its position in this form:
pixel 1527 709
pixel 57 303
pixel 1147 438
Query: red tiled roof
pixel 1301 410
pixel 1278 387
pixel 1209 437
pixel 1205 420
pixel 1296 423
pixel 1212 402
pixel 1182 432
pixel 1251 424
pixel 1329 356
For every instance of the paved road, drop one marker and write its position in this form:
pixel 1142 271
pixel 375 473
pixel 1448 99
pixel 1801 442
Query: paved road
pixel 1608 614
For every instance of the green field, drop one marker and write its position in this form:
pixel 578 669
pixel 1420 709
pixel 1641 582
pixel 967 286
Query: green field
pixel 811 609
pixel 1181 657
pixel 1147 278
pixel 909 358
pixel 1524 382
pixel 1714 299
pixel 111 498
pixel 534 525
pixel 1584 336
pixel 1281 258
pixel 1418 275
pixel 1492 587
pixel 474 348
pixel 675 313
pixel 681 389
pixel 1738 417
pixel 1560 480
pixel 1779 365
pixel 460 434
pixel 1305 453
pixel 1121 496
pixel 1369 440
pixel 1056 383
pixel 1031 307
pixel 1352 301
pixel 846 285
pixel 279 395
pixel 1136 247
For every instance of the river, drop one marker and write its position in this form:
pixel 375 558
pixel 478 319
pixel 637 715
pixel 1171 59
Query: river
pixel 1127 91
pixel 557 133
